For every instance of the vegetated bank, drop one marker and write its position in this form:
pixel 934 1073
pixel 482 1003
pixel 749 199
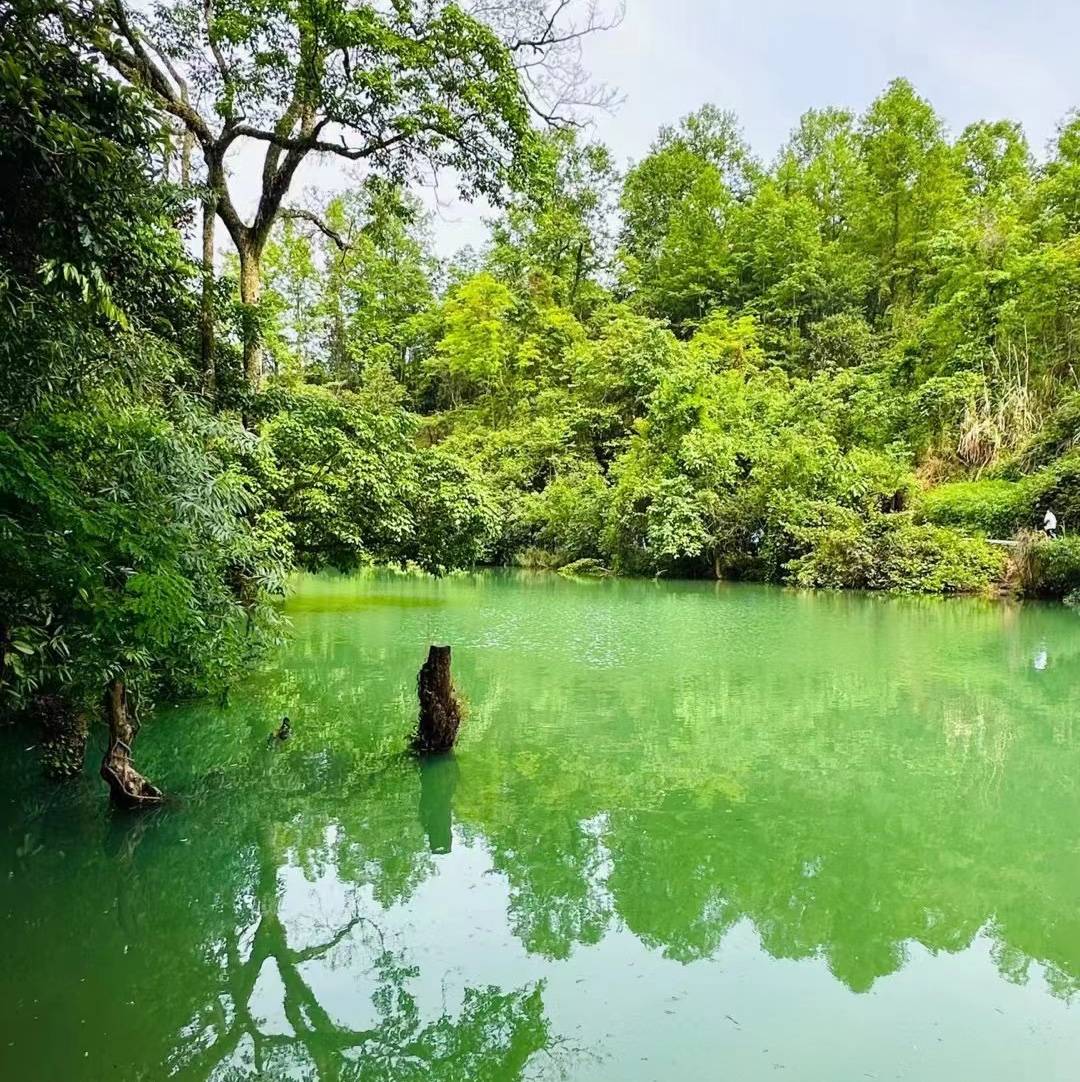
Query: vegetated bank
pixel 848 367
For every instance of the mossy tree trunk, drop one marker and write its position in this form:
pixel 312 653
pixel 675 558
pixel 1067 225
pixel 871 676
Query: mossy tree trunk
pixel 250 295
pixel 440 711
pixel 206 303
pixel 127 787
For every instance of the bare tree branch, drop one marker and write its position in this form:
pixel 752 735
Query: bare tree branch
pixel 311 142
pixel 545 36
pixel 187 136
pixel 299 213
pixel 215 49
pixel 138 66
pixel 546 43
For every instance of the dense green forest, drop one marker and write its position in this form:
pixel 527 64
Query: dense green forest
pixel 846 367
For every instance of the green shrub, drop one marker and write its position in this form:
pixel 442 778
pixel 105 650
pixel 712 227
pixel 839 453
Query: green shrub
pixel 1044 568
pixel 568 515
pixel 456 519
pixel 892 552
pixel 992 508
pixel 842 340
pixel 345 471
pixel 130 543
pixel 537 559
pixel 1056 487
pixel 1057 435
pixel 585 568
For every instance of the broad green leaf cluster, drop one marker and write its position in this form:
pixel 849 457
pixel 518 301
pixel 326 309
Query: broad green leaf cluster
pixel 133 544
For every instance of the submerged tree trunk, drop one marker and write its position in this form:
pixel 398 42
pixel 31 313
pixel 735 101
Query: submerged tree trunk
pixel 127 787
pixel 440 712
pixel 250 292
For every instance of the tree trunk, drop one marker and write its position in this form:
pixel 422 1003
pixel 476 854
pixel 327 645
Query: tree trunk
pixel 186 147
pixel 338 353
pixel 250 292
pixel 206 308
pixel 127 787
pixel 440 712
pixel 579 268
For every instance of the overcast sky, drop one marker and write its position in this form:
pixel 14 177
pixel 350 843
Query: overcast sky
pixel 770 60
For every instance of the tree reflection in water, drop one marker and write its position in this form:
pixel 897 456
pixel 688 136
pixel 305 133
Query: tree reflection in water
pixel 491 1035
pixel 906 778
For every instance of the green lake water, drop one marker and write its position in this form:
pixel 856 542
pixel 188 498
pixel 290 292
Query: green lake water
pixel 691 831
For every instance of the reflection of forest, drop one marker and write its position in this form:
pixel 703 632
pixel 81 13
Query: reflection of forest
pixel 491 1037
pixel 921 787
pixel 200 959
pixel 919 790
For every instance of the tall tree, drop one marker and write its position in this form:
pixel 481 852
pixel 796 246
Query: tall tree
pixel 130 552
pixel 563 230
pixel 87 247
pixel 407 87
pixel 676 204
pixel 995 160
pixel 821 161
pixel 909 185
pixel 351 285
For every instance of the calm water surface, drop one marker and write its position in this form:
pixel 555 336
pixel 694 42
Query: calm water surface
pixel 690 832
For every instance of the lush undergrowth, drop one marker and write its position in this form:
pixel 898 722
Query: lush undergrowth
pixel 852 367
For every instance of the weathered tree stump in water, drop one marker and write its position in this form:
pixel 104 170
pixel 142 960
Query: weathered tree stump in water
pixel 440 712
pixel 127 787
